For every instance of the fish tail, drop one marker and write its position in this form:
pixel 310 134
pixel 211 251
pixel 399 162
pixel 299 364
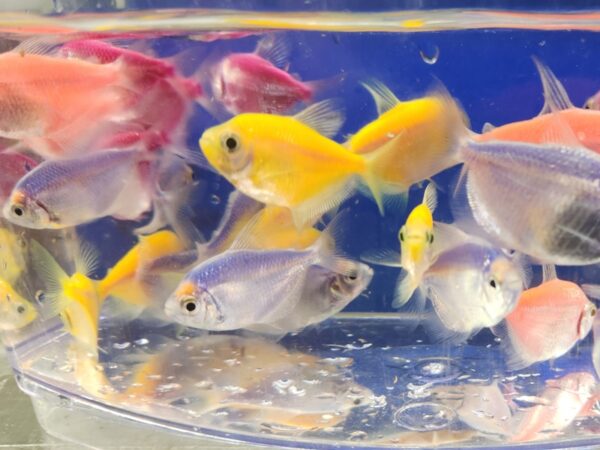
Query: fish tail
pixel 377 162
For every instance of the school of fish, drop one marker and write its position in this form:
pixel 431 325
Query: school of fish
pixel 93 130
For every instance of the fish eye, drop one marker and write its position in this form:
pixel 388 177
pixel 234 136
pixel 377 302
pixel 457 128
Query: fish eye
pixel 587 105
pixel 20 309
pixel 18 210
pixel 401 235
pixel 430 238
pixel 352 276
pixel 189 305
pixel 231 143
pixel 493 283
pixel 593 312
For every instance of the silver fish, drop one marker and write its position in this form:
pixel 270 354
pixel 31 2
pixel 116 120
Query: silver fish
pixel 241 288
pixel 69 192
pixel 472 286
pixel 541 200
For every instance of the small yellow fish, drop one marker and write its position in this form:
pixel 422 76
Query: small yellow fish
pixel 124 280
pixel 416 237
pixel 290 161
pixel 74 298
pixel 422 134
pixel 15 311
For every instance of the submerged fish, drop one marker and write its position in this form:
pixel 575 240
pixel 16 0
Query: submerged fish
pixel 471 286
pixel 563 400
pixel 75 298
pixel 69 192
pixel 241 288
pixel 312 176
pixel 236 375
pixel 558 123
pixel 422 136
pixel 130 280
pixel 540 200
pixel 57 106
pixel 15 311
pixel 258 82
pixel 547 322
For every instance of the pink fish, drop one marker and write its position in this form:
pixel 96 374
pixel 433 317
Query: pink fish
pixel 258 82
pixel 162 87
pixel 104 53
pixel 548 321
pixel 561 402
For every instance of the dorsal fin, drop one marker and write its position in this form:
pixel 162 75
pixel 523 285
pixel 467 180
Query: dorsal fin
pixel 487 127
pixel 549 272
pixel 383 97
pixel 326 117
pixel 274 49
pixel 430 197
pixel 555 96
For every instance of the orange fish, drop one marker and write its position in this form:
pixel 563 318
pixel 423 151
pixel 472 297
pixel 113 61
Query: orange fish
pixel 559 121
pixel 56 106
pixel 548 321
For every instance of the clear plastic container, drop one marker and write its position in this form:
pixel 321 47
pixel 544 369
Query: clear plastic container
pixel 367 374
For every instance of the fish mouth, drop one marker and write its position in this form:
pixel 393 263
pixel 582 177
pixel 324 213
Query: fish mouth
pixel 210 147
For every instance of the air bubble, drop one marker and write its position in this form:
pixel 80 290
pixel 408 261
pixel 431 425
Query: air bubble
pixel 426 416
pixel 438 370
pixel 430 54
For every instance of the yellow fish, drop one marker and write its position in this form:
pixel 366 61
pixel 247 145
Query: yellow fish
pixel 74 298
pixel 290 162
pixel 422 136
pixel 126 281
pixel 273 228
pixel 15 311
pixel 416 238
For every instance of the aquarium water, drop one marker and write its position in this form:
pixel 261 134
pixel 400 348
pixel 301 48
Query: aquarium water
pixel 371 375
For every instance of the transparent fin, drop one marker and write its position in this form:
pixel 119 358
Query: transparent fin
pixel 311 210
pixel 549 272
pixel 383 97
pixel 430 197
pixel 53 277
pixel 555 95
pixel 515 356
pixel 326 117
pixel 87 259
pixel 382 257
pixel 487 127
pixel 405 288
pixel 591 290
pixel 275 49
